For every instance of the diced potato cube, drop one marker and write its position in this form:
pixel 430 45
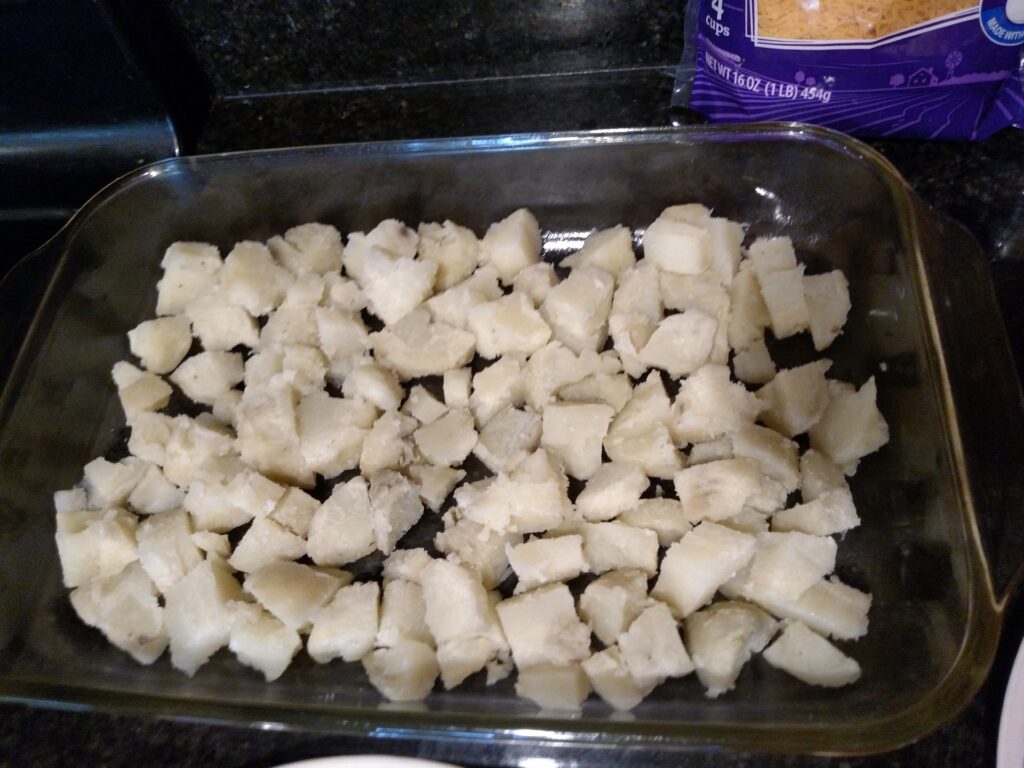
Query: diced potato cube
pixel 293 592
pixel 415 347
pixel 509 325
pixel 309 249
pixel 190 270
pixel 851 427
pixel 611 602
pixel 347 626
pixel 614 389
pixel 220 326
pixel 783 294
pixel 705 293
pixel 495 387
pixel 423 406
pixel 198 615
pixel 261 641
pixel 375 384
pixel 433 483
pixel 456 386
pixel 811 658
pixel 387 445
pixel 718 489
pixel 448 440
pixel 771 254
pixel 454 249
pixel 542 627
pixel 754 364
pixel 831 512
pixel 150 433
pixel 395 506
pixel 818 476
pixel 155 493
pixel 124 608
pixel 709 406
pixel 639 293
pixel 681 343
pixel 139 391
pixel 608 249
pixel 535 281
pixel 162 343
pixel 109 484
pixel 613 682
pixel 554 687
pixel 342 529
pixel 726 238
pixel 512 244
pixel 407 564
pixel 294 324
pixel 395 286
pixel 215 544
pixel 796 398
pixel 404 672
pixel 508 438
pixel 677 246
pixel 575 433
pixel 458 607
pixel 748 315
pixel 552 367
pixel 775 455
pixel 611 546
pixel 265 542
pixel 828 304
pixel 748 520
pixel 206 376
pixel 787 564
pixel 613 489
pixel 541 561
pixel 332 432
pixel 663 516
pixel 340 335
pixel 295 510
pixel 699 563
pixel 714 450
pixel 391 236
pixel 652 647
pixel 479 548
pixel 691 213
pixel 71 500
pixel 577 309
pixel 251 279
pixel 454 305
pixel 721 639
pixel 192 443
pixel 166 550
pixel 402 614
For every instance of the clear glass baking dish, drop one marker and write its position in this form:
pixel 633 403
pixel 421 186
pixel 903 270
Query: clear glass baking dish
pixel 942 540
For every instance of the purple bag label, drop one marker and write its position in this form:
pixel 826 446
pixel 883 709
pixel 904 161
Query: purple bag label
pixel 946 77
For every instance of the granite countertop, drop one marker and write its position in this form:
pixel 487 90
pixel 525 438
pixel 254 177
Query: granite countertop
pixel 982 185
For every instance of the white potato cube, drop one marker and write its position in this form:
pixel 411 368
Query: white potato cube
pixel 295 510
pixel 663 516
pixel 192 443
pixel 787 564
pixel 454 305
pixel 162 343
pixel 70 500
pixel 541 561
pixel 709 406
pixel 535 281
pixel 454 249
pixel 404 672
pixel 512 244
pixel 692 213
pixel 415 347
pixel 206 376
pixel 166 549
pixel 261 641
pixel 828 607
pixel 342 529
pixel 433 483
pixel 639 293
pixel 198 615
pixel 124 608
pixel 771 254
pixel 347 626
pixel 775 455
pixel 455 387
pixel 608 249
pixel 332 432
pixel 496 387
pixel 341 335
pixel 390 235
pixel 265 542
pixel 652 647
pixel 542 627
pixel 612 681
pixel 811 658
pixel 402 614
pixel 611 602
pixel 290 325
pixel 831 512
pixel 388 445
pixel 851 427
pixel 559 688
pixel 109 484
pixel 478 548
pixel 677 246
pixel 783 294
pixel 681 343
pixel 577 308
pixel 575 433
pixel 423 406
pixel 818 476
pixel 614 389
pixel 722 638
pixel 155 493
pixel 748 520
pixel 718 489
pixel 796 398
pixel 215 544
pixel 699 563
pixel 828 304
pixel 190 270
pixel 395 506
pixel 293 592
pixel 705 293
pixel 375 384
pixel 509 325
pixel 251 279
pixel 748 315
pixel 726 240
pixel 150 433
pixel 552 367
pixel 309 248
pixel 448 440
pixel 714 450
pixel 139 391
pixel 613 489
pixel 220 326
pixel 615 545
pixel 508 438
pixel 395 286
pixel 407 564
pixel 754 365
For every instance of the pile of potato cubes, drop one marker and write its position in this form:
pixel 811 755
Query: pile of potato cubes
pixel 376 368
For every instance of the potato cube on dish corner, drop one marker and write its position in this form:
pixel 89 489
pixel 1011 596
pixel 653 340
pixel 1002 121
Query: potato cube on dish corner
pixel 851 427
pixel 190 270
pixel 811 658
pixel 294 592
pixel 512 244
pixel 677 246
pixel 261 641
pixel 404 672
pixel 575 433
pixel 613 682
pixel 652 646
pixel 699 563
pixel 554 687
pixel 721 639
pixel 198 615
pixel 347 626
pixel 541 561
pixel 95 544
pixel 162 343
pixel 124 608
pixel 542 627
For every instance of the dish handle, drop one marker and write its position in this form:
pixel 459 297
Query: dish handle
pixel 986 391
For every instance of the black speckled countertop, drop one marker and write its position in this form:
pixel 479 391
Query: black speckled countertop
pixel 570 82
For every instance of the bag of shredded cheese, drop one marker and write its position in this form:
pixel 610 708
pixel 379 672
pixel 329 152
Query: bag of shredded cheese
pixel 915 68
